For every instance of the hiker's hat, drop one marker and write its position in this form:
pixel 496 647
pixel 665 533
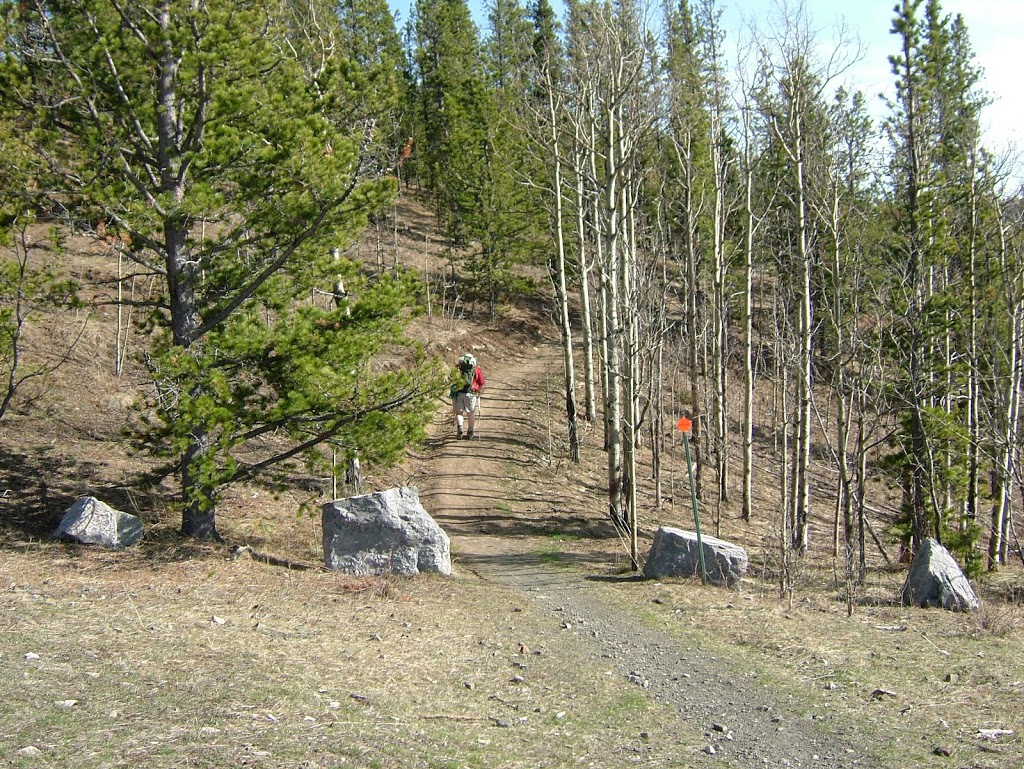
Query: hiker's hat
pixel 467 361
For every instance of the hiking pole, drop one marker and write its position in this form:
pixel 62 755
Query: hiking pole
pixel 684 426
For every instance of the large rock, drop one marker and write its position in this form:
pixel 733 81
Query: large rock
pixel 674 553
pixel 935 579
pixel 96 523
pixel 384 533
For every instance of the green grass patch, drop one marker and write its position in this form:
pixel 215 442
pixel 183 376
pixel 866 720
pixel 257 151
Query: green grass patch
pixel 551 553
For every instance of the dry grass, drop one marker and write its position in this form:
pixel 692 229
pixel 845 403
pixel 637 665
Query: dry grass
pixel 921 683
pixel 917 681
pixel 220 662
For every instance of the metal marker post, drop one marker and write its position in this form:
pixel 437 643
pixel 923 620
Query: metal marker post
pixel 684 425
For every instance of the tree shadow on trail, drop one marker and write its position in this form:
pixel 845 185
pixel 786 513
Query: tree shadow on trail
pixel 540 569
pixel 617 579
pixel 486 445
pixel 538 524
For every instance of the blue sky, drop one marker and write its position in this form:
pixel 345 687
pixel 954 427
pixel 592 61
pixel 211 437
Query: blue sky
pixel 995 27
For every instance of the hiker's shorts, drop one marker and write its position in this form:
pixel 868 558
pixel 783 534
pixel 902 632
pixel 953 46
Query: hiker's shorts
pixel 466 403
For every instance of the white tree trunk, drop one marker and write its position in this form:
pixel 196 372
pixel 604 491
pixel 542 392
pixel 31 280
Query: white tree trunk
pixel 561 283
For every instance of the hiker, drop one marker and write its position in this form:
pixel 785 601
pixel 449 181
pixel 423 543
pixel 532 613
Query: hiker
pixel 465 394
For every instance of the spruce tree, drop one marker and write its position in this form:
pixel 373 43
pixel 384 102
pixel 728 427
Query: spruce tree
pixel 545 28
pixel 508 220
pixel 933 128
pixel 375 61
pixel 508 48
pixel 454 110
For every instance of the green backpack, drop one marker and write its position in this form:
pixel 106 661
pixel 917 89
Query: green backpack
pixel 464 382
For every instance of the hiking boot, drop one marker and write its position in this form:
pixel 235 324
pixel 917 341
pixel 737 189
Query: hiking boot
pixel 470 435
pixel 458 434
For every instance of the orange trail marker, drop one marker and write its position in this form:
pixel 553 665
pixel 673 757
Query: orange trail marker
pixel 685 424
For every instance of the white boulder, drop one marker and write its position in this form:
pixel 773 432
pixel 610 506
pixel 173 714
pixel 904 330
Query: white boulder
pixel 387 532
pixel 935 579
pixel 93 522
pixel 674 553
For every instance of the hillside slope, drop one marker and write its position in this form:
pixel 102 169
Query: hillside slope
pixel 439 673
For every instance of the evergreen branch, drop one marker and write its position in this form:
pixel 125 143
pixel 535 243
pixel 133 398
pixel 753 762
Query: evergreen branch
pixel 247 291
pixel 133 118
pixel 141 187
pixel 251 470
pixel 130 24
pixel 65 62
pixel 197 126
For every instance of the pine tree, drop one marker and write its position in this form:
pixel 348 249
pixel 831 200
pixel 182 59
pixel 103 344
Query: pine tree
pixel 508 49
pixel 507 220
pixel 210 137
pixel 372 88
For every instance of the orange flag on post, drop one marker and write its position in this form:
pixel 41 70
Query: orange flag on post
pixel 684 424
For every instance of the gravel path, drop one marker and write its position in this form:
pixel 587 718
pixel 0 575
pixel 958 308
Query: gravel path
pixel 746 724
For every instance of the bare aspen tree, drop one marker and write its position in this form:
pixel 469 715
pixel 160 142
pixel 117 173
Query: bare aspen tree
pixel 611 59
pixel 751 137
pixel 703 164
pixel 124 318
pixel 689 134
pixel 780 413
pixel 972 501
pixel 841 393
pixel 802 126
pixel 720 165
pixel 584 268
pixel 612 284
pixel 840 208
pixel 1007 360
pixel 554 147
pixel 631 362
pixel 795 87
pixel 593 53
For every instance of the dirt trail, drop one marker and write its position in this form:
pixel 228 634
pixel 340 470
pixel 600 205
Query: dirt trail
pixel 467 479
pixel 465 484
